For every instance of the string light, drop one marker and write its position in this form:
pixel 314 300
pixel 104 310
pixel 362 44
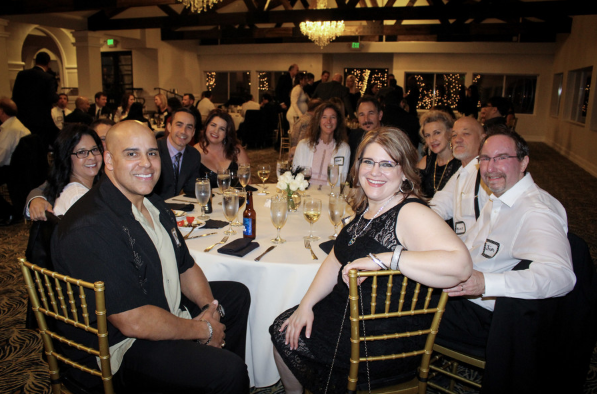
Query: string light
pixel 263 81
pixel 210 80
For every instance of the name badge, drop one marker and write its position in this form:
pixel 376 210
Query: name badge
pixel 460 228
pixel 175 236
pixel 339 160
pixel 490 249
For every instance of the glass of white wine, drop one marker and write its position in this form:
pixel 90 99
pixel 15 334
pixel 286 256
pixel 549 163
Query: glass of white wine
pixel 336 210
pixel 333 175
pixel 224 180
pixel 242 197
pixel 279 213
pixel 311 212
pixel 263 173
pixel 230 208
pixel 203 193
pixel 244 175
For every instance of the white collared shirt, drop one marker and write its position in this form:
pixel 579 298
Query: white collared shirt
pixel 457 199
pixel 11 132
pixel 58 115
pixel 525 223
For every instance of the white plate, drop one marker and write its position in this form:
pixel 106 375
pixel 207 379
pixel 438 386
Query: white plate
pixel 179 213
pixel 186 228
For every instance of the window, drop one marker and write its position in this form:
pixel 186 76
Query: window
pixel 268 81
pixel 435 89
pixel 578 89
pixel 519 89
pixel 228 86
pixel 556 94
pixel 366 77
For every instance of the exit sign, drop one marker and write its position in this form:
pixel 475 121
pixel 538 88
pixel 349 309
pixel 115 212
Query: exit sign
pixel 356 45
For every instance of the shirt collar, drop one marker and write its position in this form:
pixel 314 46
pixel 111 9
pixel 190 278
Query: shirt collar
pixel 172 149
pixel 472 166
pixel 511 195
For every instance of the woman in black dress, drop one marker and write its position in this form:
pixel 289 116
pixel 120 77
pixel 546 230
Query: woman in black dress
pixel 439 165
pixel 390 211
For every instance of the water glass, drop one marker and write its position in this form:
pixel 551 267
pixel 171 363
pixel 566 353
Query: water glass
pixel 203 194
pixel 224 180
pixel 244 175
pixel 333 175
pixel 230 208
pixel 242 197
pixel 279 213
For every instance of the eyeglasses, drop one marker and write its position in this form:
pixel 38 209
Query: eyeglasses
pixel 83 153
pixel 497 159
pixel 385 166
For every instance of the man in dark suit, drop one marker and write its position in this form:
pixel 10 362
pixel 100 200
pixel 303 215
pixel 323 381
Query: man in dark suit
pixel 180 162
pixel 334 88
pixel 34 93
pixel 99 109
pixel 285 85
pixel 80 114
pixel 325 75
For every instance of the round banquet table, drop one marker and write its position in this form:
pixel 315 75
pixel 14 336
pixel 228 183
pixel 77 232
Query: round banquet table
pixel 277 282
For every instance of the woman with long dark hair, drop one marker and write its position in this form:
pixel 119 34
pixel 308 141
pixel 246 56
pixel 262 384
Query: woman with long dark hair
pixel 136 113
pixel 122 112
pixel 78 153
pixel 219 147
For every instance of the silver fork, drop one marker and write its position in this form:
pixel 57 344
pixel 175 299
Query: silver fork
pixel 223 241
pixel 308 246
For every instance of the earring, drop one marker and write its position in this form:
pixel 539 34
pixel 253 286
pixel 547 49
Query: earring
pixel 412 186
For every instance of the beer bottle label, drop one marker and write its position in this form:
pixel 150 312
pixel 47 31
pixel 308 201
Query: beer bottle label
pixel 248 223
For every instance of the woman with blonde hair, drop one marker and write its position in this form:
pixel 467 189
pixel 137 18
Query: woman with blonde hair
pixel 438 166
pixel 391 214
pixel 161 104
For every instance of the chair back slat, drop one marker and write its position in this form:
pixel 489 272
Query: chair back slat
pixel 72 303
pixel 374 295
pixel 52 290
pixel 357 317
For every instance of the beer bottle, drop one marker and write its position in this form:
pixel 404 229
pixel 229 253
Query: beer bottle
pixel 250 218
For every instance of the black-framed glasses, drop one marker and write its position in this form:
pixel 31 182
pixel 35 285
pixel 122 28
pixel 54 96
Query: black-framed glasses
pixel 384 165
pixel 496 159
pixel 83 153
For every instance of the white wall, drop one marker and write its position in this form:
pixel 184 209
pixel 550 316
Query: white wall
pixel 576 141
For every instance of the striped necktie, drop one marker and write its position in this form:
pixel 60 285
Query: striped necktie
pixel 176 165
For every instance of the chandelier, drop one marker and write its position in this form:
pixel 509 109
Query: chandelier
pixel 199 5
pixel 322 33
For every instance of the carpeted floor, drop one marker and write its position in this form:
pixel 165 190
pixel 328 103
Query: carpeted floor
pixel 23 370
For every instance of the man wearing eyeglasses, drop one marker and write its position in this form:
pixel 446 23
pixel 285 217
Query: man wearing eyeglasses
pixel 519 222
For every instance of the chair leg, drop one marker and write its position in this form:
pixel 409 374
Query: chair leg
pixel 454 371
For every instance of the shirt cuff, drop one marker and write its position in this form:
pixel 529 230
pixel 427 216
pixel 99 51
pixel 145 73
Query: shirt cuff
pixel 495 284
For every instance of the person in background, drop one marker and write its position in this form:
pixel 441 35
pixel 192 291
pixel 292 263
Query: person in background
pixel 78 153
pixel 325 76
pixel 188 100
pixel 325 144
pixel 59 112
pixel 219 147
pixel 354 93
pixel 438 166
pixel 298 99
pixel 99 109
pixel 161 105
pixel 391 213
pixel 495 111
pixel 372 89
pixel 249 105
pixel 81 112
pixel 309 87
pixel 136 113
pixel 369 114
pixel 301 127
pixel 205 106
pixel 125 105
pixel 284 86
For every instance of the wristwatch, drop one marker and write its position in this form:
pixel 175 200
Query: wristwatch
pixel 219 308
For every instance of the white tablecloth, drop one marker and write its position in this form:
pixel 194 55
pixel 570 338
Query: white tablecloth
pixel 237 118
pixel 277 282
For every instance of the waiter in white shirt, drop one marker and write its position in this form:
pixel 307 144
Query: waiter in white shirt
pixel 59 112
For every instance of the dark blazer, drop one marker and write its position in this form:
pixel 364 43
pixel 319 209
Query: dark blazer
pixel 78 116
pixel 283 89
pixel 327 90
pixel 189 171
pixel 105 111
pixel 34 93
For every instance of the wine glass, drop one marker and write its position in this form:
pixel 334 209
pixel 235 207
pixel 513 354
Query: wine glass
pixel 242 197
pixel 333 175
pixel 203 193
pixel 336 208
pixel 224 180
pixel 263 173
pixel 233 178
pixel 307 172
pixel 244 175
pixel 279 213
pixel 230 208
pixel 311 212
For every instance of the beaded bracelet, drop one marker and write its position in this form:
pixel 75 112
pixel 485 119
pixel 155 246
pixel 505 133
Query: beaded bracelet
pixel 211 331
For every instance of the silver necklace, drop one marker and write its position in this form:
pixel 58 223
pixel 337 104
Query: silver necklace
pixel 356 235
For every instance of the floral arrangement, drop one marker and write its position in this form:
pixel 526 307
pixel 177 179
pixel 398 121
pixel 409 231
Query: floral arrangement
pixel 290 183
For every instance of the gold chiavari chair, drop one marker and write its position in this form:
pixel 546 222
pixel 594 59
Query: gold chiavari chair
pixel 419 383
pixel 47 295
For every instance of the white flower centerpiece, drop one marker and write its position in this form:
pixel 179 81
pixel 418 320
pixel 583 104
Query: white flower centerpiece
pixel 290 183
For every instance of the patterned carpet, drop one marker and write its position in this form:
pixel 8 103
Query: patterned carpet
pixel 23 370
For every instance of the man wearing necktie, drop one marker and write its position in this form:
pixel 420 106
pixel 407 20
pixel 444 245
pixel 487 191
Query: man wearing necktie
pixel 59 112
pixel 519 222
pixel 99 109
pixel 175 153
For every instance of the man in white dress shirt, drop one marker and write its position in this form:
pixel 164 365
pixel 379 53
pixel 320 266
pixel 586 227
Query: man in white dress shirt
pixel 465 194
pixel 205 105
pixel 59 112
pixel 519 222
